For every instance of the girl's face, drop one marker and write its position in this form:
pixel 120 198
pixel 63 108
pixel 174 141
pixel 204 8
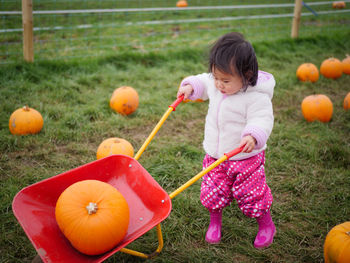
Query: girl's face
pixel 226 83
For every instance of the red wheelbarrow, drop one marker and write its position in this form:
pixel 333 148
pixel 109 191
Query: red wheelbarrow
pixel 34 206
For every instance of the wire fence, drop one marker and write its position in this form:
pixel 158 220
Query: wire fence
pixel 66 29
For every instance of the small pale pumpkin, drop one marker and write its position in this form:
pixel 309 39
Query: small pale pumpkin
pixel 346 65
pixel 25 121
pixel 336 247
pixel 307 72
pixel 93 216
pixel 331 68
pixel 181 3
pixel 317 107
pixel 346 103
pixel 114 146
pixel 124 100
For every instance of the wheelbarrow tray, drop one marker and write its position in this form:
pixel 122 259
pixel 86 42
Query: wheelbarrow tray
pixel 34 206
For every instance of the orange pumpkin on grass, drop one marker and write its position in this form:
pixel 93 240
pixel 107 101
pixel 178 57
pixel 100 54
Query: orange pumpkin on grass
pixel 336 247
pixel 331 68
pixel 346 65
pixel 338 4
pixel 93 216
pixel 114 146
pixel 317 107
pixel 346 103
pixel 181 3
pixel 307 72
pixel 124 100
pixel 25 121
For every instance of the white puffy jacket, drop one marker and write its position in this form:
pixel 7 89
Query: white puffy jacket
pixel 230 117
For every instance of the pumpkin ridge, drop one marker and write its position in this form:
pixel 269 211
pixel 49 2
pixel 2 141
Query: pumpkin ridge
pixel 82 240
pixel 70 210
pixel 96 233
pixel 72 227
pixel 110 223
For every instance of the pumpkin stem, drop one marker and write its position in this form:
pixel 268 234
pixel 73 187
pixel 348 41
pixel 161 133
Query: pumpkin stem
pixel 92 208
pixel 26 108
pixel 348 233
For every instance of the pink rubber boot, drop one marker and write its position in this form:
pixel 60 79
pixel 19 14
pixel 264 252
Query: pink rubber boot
pixel 213 235
pixel 266 232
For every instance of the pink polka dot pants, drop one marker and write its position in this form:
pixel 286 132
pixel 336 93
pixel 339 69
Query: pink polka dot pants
pixel 242 180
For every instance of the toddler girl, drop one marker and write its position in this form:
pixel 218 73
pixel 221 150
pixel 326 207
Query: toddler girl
pixel 240 114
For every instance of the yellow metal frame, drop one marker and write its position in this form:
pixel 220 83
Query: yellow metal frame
pixel 173 194
pixel 137 156
pixel 148 256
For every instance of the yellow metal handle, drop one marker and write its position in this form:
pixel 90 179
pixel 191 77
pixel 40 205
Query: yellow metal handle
pixel 172 107
pixel 153 133
pixel 206 170
pixel 197 177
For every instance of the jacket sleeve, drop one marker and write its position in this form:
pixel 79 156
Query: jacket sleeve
pixel 259 120
pixel 199 84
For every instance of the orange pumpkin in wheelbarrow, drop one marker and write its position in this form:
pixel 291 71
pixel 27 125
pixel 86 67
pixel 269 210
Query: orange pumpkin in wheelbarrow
pixel 93 215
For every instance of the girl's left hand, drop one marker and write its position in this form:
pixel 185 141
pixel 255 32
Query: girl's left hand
pixel 249 143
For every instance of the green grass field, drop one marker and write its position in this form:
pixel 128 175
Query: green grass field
pixel 307 164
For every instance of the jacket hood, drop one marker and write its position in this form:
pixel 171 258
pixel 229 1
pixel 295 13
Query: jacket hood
pixel 265 84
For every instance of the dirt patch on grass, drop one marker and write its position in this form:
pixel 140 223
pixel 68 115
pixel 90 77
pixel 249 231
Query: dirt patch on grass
pixel 176 128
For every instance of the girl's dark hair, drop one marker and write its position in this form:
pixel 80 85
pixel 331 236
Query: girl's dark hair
pixel 232 53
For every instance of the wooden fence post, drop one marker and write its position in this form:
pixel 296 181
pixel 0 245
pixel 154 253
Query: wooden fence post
pixel 27 21
pixel 296 18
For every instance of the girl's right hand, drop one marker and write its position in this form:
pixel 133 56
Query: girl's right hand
pixel 186 90
pixel 249 143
